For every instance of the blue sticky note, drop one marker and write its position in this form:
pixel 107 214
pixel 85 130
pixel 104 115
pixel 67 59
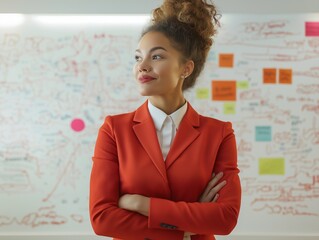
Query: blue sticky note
pixel 263 133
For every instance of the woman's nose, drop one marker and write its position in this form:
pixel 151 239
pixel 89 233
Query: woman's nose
pixel 144 67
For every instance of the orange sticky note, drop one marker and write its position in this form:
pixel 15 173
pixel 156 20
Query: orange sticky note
pixel 224 90
pixel 285 76
pixel 226 60
pixel 270 75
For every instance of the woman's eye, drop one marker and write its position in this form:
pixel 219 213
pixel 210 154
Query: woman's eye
pixel 157 57
pixel 137 58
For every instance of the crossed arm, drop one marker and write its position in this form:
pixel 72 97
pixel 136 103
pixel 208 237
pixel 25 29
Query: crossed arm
pixel 139 217
pixel 141 204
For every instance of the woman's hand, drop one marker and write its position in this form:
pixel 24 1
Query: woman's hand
pixel 210 193
pixel 140 204
pixel 136 203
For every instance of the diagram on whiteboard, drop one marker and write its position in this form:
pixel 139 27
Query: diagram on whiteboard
pixel 57 84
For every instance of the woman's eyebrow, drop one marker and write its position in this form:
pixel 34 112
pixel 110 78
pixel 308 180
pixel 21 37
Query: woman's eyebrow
pixel 152 49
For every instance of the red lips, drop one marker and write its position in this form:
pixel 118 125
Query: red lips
pixel 146 78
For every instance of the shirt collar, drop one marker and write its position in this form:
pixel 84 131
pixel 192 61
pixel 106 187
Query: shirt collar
pixel 159 116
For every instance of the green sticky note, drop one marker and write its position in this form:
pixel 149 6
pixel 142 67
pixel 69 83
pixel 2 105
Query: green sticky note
pixel 202 93
pixel 271 166
pixel 229 108
pixel 242 84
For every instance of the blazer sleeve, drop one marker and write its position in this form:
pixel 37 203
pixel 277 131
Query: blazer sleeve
pixel 206 218
pixel 106 217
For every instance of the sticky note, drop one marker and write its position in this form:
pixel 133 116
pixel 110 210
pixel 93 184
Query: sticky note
pixel 271 166
pixel 263 133
pixel 242 85
pixel 229 108
pixel 226 60
pixel 269 75
pixel 202 93
pixel 224 90
pixel 285 76
pixel 312 29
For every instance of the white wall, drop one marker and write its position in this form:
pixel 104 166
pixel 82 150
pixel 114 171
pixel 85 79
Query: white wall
pixel 145 6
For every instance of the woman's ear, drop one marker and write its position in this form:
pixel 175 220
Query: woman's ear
pixel 188 68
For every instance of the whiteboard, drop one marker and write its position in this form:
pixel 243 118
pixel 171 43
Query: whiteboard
pixel 55 78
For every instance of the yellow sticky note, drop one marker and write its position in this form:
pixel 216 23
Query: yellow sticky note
pixel 242 84
pixel 271 166
pixel 229 108
pixel 202 93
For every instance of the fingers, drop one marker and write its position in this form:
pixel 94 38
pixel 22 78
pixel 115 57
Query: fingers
pixel 211 192
pixel 212 182
pixel 215 198
pixel 215 179
pixel 214 191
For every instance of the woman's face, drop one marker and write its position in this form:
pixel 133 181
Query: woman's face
pixel 158 67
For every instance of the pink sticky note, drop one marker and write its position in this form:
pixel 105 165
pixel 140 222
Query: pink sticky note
pixel 312 29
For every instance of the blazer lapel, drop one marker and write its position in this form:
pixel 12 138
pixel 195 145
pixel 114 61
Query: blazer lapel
pixel 186 134
pixel 146 134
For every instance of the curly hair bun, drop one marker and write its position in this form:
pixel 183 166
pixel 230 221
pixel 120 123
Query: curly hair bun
pixel 199 14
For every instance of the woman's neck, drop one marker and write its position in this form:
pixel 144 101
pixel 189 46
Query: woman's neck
pixel 167 105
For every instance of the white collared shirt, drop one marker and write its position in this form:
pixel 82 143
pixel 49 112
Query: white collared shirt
pixel 162 121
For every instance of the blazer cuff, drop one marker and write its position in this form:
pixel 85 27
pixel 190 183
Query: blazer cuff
pixel 157 216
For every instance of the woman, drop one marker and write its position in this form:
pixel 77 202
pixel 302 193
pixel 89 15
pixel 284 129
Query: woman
pixel 153 174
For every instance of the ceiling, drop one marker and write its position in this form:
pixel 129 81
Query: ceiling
pixel 145 6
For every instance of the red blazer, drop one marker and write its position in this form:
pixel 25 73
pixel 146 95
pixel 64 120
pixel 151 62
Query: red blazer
pixel 128 160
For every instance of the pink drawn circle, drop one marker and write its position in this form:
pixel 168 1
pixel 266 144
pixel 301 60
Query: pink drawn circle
pixel 77 124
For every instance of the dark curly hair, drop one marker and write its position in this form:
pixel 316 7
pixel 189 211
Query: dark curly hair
pixel 190 26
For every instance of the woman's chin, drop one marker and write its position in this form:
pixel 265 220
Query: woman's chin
pixel 145 93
